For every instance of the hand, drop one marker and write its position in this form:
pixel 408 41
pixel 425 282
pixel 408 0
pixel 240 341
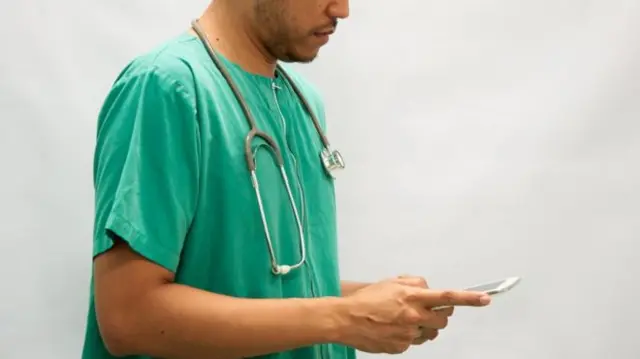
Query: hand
pixel 387 317
pixel 429 330
pixel 410 280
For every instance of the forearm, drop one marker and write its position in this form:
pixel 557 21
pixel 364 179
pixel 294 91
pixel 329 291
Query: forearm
pixel 179 322
pixel 349 287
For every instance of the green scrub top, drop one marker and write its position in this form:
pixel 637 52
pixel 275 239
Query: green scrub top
pixel 171 179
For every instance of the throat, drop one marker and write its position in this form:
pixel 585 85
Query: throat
pixel 229 34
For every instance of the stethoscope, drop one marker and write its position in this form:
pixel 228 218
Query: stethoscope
pixel 331 159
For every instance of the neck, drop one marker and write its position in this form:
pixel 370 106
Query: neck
pixel 229 31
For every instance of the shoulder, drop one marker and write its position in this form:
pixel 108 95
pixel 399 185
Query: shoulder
pixel 154 90
pixel 162 71
pixel 309 90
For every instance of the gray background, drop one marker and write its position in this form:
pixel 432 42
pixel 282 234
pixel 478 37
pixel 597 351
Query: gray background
pixel 502 139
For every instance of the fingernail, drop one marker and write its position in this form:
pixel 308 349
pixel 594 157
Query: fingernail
pixel 485 299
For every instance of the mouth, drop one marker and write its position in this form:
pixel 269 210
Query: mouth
pixel 324 33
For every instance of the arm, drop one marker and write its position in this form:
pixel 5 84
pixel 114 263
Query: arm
pixel 349 287
pixel 142 312
pixel 147 178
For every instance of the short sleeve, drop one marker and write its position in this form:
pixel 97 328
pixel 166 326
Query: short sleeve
pixel 146 166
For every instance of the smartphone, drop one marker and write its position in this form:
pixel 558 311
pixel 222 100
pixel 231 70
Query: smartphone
pixel 496 287
pixel 492 288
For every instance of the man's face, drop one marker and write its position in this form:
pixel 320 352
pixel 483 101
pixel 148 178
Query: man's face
pixel 294 30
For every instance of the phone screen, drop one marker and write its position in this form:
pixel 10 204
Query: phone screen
pixel 496 287
pixel 487 287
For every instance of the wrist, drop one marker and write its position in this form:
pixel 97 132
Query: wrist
pixel 350 287
pixel 337 321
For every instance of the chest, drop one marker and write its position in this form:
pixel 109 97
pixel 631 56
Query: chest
pixel 247 221
pixel 274 111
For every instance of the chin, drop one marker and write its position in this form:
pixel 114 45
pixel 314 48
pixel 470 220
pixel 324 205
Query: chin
pixel 300 56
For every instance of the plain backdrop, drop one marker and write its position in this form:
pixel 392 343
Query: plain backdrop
pixel 483 139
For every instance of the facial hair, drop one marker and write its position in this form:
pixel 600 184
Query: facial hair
pixel 274 29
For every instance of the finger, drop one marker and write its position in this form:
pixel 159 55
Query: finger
pixel 435 321
pixel 445 312
pixel 430 334
pixel 412 281
pixel 427 318
pixel 435 298
pixel 426 335
pixel 407 334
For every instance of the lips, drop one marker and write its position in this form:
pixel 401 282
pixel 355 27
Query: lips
pixel 325 33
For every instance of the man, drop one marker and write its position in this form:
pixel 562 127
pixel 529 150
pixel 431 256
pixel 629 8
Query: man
pixel 182 267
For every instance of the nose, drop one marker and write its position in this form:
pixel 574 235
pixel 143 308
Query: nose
pixel 339 9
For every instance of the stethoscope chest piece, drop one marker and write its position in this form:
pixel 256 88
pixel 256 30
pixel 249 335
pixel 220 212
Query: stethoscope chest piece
pixel 331 161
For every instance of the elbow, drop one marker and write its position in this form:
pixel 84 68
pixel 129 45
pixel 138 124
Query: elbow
pixel 116 333
pixel 123 286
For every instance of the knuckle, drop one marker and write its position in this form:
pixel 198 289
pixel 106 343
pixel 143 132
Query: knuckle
pixel 429 334
pixel 401 348
pixel 433 335
pixel 475 301
pixel 407 337
pixel 406 291
pixel 448 296
pixel 420 341
pixel 394 348
pixel 412 316
pixel 437 322
pixel 428 316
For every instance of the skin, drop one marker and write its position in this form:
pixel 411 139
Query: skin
pixel 294 38
pixel 256 34
pixel 142 311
